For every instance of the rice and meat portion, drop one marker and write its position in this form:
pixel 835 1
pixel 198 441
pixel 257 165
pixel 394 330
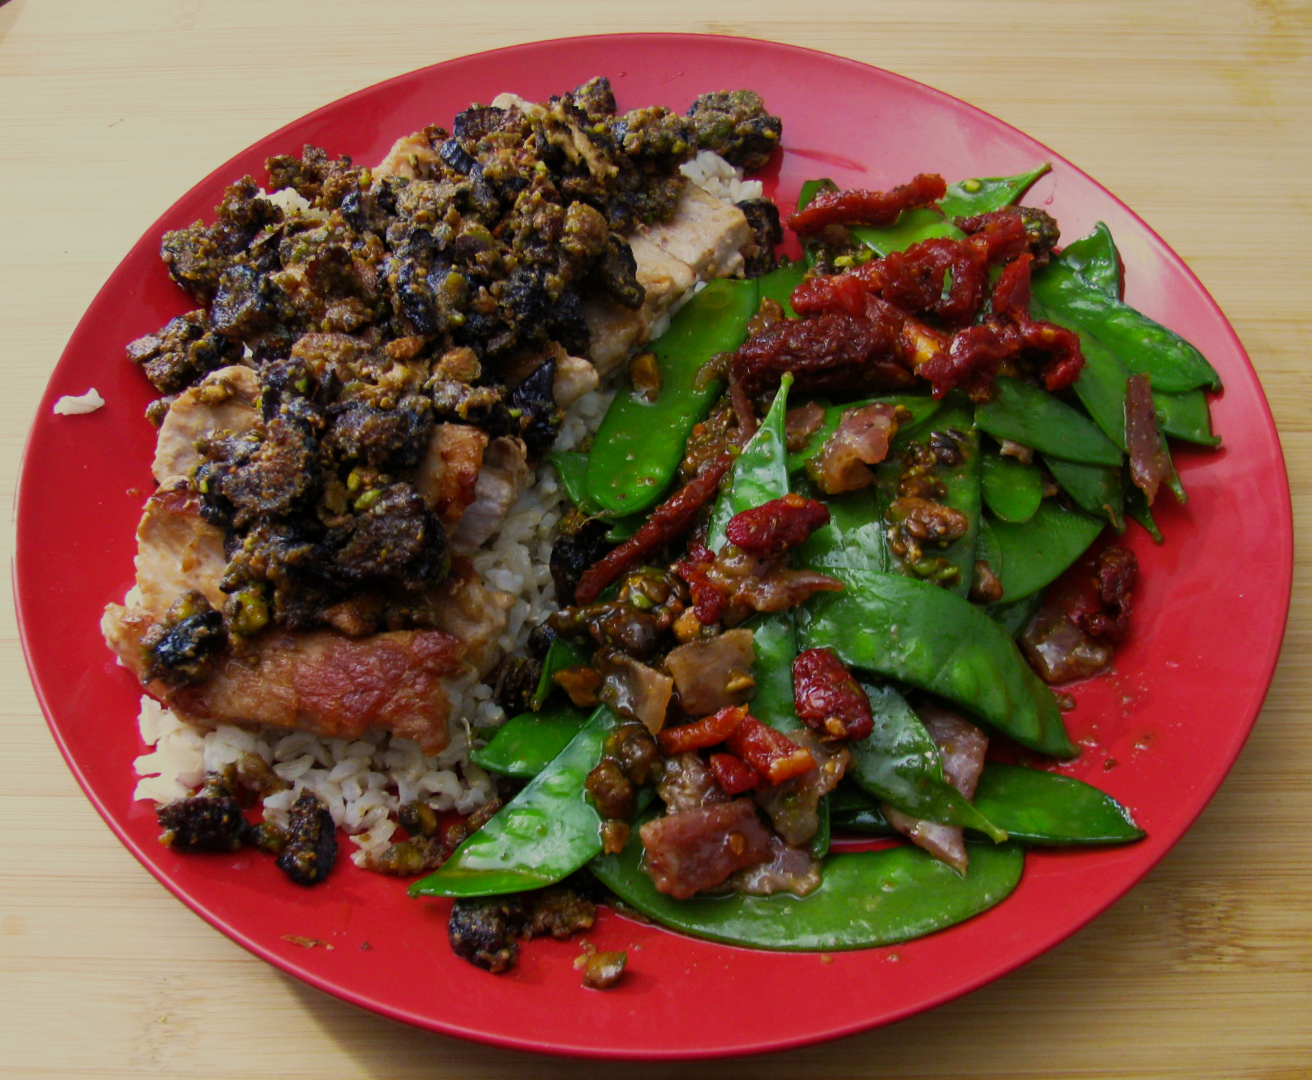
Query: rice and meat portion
pixel 349 531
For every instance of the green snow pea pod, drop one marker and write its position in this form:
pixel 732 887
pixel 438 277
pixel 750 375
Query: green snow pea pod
pixel 760 473
pixel 921 408
pixel 1048 810
pixel 526 744
pixel 986 547
pixel 1095 258
pixel 774 640
pixel 1144 346
pixel 983 194
pixel 864 899
pixel 898 763
pixel 561 654
pixel 1095 489
pixel 572 468
pixel 963 199
pixel 1014 615
pixel 854 538
pixel 934 640
pixel 541 836
pixel 1032 417
pixel 1185 416
pixel 853 809
pixel 1137 509
pixel 1012 489
pixel 1037 808
pixel 639 445
pixel 779 283
pixel 1036 553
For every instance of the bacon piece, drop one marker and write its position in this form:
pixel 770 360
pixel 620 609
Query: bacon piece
pixel 694 850
pixel 793 806
pixel 1116 572
pixel 776 526
pixel 686 783
pixel 861 439
pixel 713 673
pixel 828 698
pixel 762 583
pixel 708 731
pixel 733 774
pixel 801 423
pixel 707 600
pixel 860 207
pixel 788 869
pixel 961 750
pixel 1059 650
pixel 668 521
pixel 771 753
pixel 1150 464
pixel 633 689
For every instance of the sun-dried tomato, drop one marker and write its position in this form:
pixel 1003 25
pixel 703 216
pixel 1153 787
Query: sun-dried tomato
pixel 1011 292
pixel 776 526
pixel 668 522
pixel 771 753
pixel 826 353
pixel 999 235
pixel 860 207
pixel 708 731
pixel 944 278
pixel 828 698
pixel 733 774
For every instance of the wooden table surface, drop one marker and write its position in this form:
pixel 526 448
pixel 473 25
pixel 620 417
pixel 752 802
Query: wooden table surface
pixel 1198 114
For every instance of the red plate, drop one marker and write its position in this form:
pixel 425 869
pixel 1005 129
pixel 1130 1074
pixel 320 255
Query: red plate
pixel 1160 733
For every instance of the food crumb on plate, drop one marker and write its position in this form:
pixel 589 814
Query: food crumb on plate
pixel 78 404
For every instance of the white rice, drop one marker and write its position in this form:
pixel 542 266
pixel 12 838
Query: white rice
pixel 365 782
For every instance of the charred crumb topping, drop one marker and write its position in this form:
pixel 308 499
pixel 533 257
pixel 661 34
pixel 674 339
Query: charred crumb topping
pixel 442 288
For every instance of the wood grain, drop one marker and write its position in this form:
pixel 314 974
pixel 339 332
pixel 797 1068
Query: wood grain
pixel 1197 114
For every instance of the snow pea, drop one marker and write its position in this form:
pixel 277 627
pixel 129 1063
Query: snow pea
pixel 899 763
pixel 1012 489
pixel 1038 809
pixel 1014 615
pixel 1095 489
pixel 761 471
pixel 541 836
pixel 1095 258
pixel 921 408
pixel 1185 416
pixel 854 538
pixel 779 283
pixel 1049 810
pixel 1137 509
pixel 561 654
pixel 526 744
pixel 774 638
pixel 864 899
pixel 986 547
pixel 962 199
pixel 572 469
pixel 640 443
pixel 1144 346
pixel 1032 417
pixel 1036 553
pixel 934 640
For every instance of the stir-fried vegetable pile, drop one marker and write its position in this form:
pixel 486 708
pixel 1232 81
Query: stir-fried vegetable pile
pixel 805 580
